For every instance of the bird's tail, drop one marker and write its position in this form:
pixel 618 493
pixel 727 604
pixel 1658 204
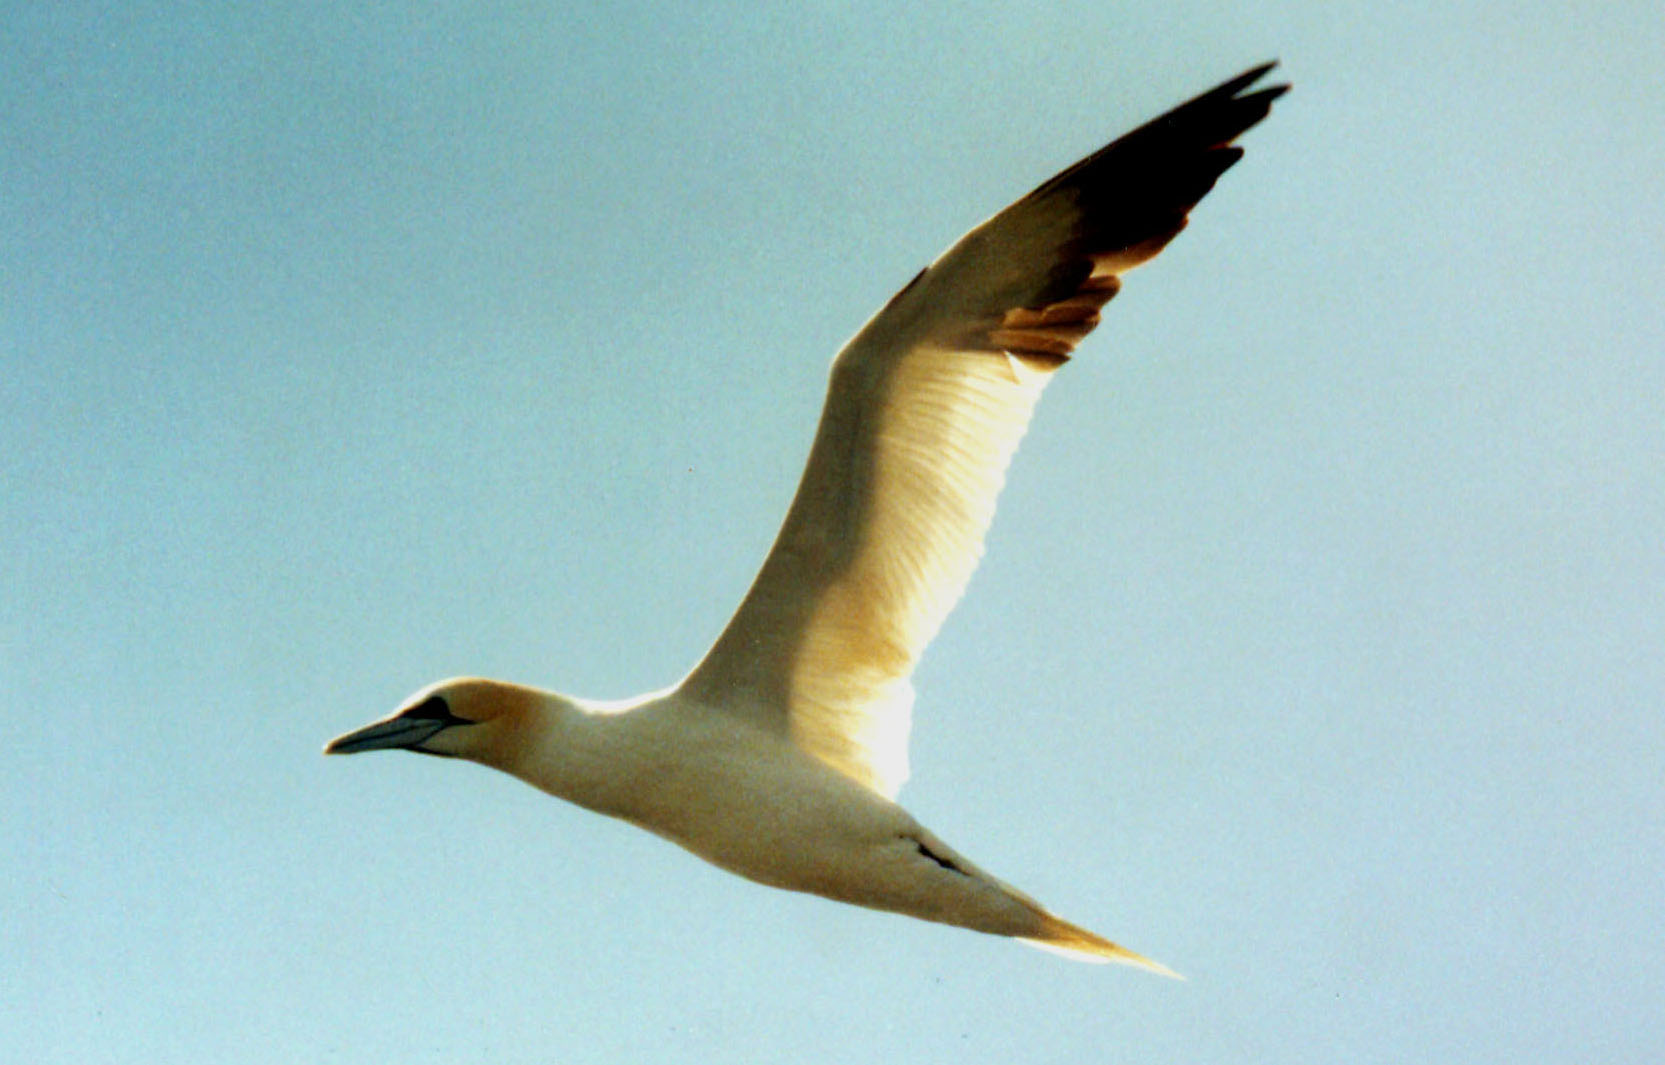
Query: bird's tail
pixel 1072 941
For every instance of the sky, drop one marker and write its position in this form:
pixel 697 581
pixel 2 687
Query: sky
pixel 1316 651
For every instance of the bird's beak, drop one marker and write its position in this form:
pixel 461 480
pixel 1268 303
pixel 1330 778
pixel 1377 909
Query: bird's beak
pixel 392 733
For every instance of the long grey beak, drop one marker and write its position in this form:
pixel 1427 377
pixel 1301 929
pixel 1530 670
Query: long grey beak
pixel 395 732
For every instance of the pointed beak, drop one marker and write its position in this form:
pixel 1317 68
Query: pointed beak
pixel 395 732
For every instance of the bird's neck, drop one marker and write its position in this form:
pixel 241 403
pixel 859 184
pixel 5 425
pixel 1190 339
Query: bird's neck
pixel 584 751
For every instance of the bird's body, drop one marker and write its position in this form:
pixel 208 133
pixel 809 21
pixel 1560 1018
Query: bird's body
pixel 744 798
pixel 779 756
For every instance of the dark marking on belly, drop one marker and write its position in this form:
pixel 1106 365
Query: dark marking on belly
pixel 935 857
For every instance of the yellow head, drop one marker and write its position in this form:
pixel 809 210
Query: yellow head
pixel 461 718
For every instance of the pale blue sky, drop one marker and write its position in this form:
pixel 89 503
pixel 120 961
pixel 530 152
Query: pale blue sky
pixel 1317 652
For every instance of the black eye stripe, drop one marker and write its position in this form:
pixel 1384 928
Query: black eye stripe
pixel 434 708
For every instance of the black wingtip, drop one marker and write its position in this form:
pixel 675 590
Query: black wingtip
pixel 1244 80
pixel 1132 196
pixel 1230 88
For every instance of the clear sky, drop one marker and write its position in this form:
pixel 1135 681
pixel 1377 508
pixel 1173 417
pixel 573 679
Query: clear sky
pixel 1318 648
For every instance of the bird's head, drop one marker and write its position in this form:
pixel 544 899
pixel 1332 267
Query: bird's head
pixel 461 718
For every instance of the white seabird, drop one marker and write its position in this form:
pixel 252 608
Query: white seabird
pixel 779 756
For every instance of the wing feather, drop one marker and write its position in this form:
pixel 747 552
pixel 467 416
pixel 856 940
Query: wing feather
pixel 924 409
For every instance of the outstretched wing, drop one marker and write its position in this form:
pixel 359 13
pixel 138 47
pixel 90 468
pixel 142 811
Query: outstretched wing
pixel 925 407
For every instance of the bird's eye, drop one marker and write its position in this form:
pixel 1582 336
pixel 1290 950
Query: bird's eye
pixel 433 708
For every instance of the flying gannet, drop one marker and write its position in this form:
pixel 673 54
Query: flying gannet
pixel 779 756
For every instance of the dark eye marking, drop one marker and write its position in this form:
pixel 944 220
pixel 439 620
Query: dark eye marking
pixel 435 708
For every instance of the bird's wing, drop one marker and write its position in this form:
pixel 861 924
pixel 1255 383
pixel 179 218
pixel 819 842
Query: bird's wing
pixel 924 409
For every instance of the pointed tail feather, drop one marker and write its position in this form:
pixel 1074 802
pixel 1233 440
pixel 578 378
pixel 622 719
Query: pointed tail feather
pixel 1061 937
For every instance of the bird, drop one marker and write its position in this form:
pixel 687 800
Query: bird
pixel 779 756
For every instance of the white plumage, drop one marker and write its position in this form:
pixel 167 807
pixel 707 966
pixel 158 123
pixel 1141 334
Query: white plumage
pixel 779 756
